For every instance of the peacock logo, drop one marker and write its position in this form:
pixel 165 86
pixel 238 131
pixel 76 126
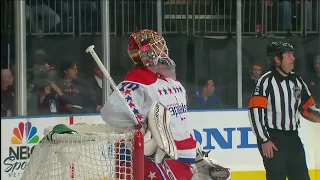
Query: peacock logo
pixel 25 130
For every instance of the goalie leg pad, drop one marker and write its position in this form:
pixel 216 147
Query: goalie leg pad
pixel 159 125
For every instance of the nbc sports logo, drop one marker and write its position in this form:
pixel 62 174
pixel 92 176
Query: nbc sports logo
pixel 25 130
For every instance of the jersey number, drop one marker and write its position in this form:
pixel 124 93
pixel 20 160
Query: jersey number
pixel 128 85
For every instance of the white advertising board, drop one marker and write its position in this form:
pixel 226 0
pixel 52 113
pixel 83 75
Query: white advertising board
pixel 229 136
pixel 226 133
pixel 18 137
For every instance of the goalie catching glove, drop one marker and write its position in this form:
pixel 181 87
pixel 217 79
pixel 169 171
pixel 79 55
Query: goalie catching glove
pixel 208 169
pixel 158 140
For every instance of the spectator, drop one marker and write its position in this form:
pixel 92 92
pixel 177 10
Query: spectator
pixel 42 71
pixel 248 83
pixel 206 98
pixel 77 92
pixel 41 74
pixel 7 94
pixel 40 16
pixel 255 73
pixel 48 100
pixel 315 80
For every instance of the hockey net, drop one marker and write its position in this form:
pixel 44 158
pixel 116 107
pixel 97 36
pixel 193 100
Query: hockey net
pixel 96 152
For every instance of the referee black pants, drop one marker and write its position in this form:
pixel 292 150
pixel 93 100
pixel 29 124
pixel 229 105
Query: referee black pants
pixel 289 161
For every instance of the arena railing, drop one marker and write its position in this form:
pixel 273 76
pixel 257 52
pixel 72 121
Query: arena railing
pixel 312 26
pixel 77 18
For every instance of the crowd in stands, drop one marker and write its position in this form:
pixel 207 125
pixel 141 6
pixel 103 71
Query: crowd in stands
pixel 53 90
pixel 63 89
pixel 207 98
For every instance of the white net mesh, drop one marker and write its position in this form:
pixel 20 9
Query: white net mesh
pixel 96 152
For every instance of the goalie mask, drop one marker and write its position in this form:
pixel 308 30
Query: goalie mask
pixel 148 49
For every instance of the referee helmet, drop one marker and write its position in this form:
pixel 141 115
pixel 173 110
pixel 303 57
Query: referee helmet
pixel 277 49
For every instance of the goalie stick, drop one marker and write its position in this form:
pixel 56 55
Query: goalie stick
pixel 112 83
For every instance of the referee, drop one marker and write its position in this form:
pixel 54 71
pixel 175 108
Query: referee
pixel 280 96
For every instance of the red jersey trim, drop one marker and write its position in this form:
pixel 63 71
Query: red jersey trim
pixel 143 76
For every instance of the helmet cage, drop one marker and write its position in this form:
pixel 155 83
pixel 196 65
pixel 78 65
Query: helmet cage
pixel 157 43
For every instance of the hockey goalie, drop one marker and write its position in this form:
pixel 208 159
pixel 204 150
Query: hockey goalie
pixel 158 101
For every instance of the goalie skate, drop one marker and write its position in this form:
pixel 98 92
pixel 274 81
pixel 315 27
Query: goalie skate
pixel 208 169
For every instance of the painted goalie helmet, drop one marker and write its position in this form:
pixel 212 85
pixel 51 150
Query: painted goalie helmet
pixel 147 48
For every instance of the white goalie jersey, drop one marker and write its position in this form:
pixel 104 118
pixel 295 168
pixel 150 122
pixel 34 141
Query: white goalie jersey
pixel 140 89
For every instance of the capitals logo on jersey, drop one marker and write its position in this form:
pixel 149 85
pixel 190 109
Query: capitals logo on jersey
pixel 177 109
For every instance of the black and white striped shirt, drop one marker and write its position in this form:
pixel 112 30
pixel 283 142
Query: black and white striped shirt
pixel 277 103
